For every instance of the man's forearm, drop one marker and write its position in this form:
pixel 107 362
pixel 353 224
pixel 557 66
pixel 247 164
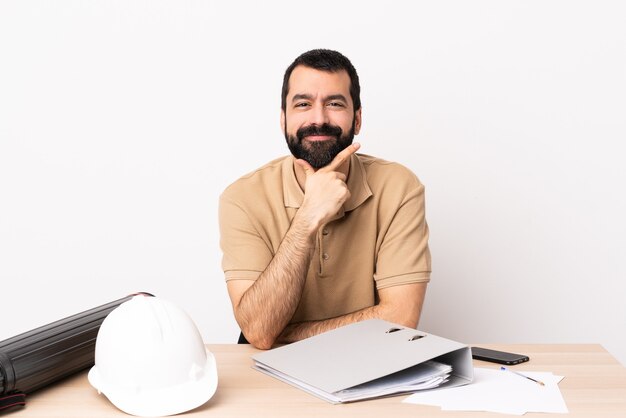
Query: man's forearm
pixel 267 306
pixel 400 304
pixel 301 330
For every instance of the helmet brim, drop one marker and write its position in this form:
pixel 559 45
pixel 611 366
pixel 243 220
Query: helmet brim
pixel 169 400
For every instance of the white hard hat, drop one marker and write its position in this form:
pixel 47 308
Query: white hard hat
pixel 151 360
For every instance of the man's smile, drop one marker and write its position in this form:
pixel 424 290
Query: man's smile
pixel 315 138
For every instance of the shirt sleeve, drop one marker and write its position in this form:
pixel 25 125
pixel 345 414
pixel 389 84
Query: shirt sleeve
pixel 245 253
pixel 404 256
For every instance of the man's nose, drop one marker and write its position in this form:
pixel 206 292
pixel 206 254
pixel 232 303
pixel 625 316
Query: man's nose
pixel 319 115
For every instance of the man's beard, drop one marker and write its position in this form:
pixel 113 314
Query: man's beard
pixel 319 153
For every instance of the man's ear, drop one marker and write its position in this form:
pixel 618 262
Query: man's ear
pixel 357 121
pixel 282 121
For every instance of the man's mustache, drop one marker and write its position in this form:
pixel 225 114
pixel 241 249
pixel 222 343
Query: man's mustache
pixel 319 130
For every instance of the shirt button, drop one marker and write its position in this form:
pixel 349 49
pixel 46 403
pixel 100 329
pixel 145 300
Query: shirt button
pixel 324 231
pixel 325 256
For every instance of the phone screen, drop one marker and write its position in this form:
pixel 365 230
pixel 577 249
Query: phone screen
pixel 495 356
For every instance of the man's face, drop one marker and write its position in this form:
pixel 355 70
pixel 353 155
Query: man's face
pixel 319 120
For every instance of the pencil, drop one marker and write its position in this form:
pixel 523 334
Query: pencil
pixel 523 375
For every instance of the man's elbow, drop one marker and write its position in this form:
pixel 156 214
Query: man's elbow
pixel 262 342
pixel 254 331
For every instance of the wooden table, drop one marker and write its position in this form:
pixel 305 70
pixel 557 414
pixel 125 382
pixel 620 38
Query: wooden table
pixel 594 386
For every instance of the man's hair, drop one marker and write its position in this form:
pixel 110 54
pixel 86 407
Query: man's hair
pixel 325 60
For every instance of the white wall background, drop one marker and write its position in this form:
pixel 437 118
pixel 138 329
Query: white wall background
pixel 122 121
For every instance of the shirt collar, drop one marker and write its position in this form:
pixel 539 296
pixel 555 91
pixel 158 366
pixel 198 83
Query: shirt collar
pixel 357 184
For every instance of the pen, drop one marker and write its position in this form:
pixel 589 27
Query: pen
pixel 523 375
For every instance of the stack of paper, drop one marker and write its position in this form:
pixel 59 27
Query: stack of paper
pixel 499 391
pixel 427 375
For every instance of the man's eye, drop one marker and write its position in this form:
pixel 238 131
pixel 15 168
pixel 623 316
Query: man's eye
pixel 302 104
pixel 335 104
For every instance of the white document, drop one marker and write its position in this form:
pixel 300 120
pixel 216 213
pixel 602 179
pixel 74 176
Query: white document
pixel 499 391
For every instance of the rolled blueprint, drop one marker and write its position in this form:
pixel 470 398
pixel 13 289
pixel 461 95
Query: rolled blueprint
pixel 42 356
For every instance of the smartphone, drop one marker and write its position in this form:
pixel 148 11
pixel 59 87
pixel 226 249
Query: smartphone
pixel 495 356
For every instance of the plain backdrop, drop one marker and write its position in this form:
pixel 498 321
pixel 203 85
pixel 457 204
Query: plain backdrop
pixel 121 122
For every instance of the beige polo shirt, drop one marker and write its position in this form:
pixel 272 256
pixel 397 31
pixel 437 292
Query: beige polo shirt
pixel 379 240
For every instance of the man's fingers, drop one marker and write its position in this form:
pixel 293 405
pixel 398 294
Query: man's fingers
pixel 342 157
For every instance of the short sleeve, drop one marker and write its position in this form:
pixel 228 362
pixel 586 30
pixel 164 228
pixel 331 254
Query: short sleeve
pixel 404 256
pixel 245 253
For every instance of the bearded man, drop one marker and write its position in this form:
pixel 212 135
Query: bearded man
pixel 324 237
